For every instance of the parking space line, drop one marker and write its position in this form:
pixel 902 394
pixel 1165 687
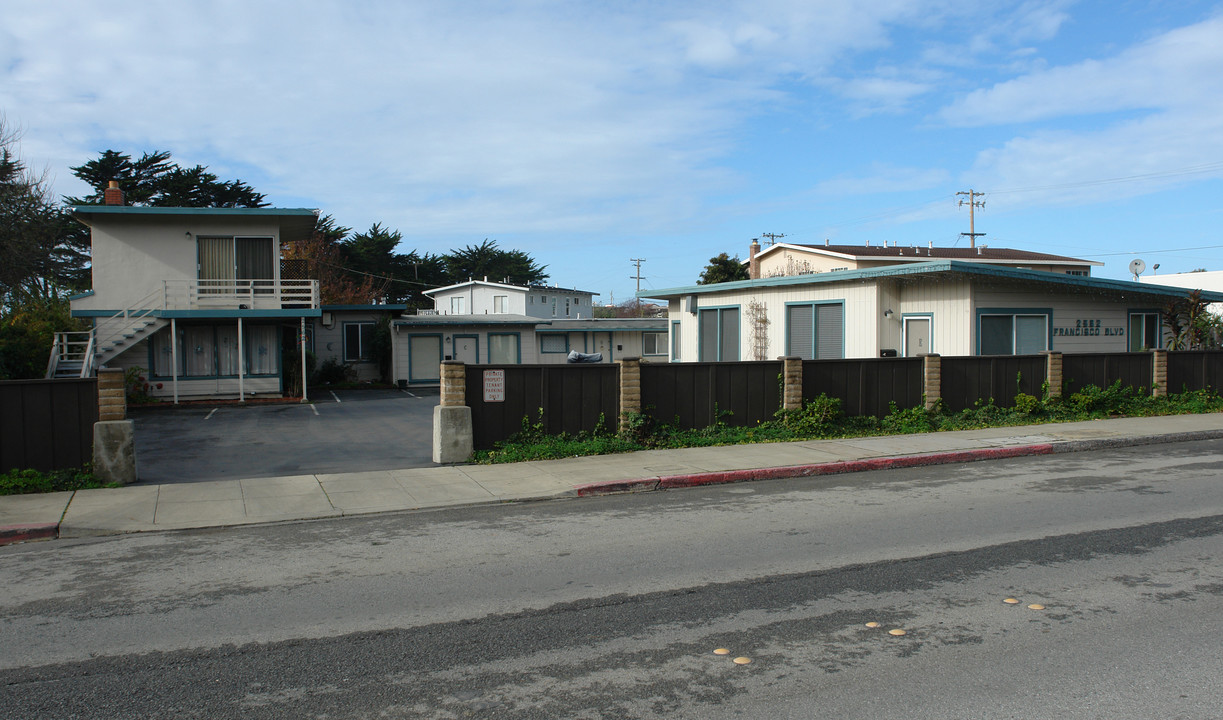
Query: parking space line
pixel 405 392
pixel 337 397
pixel 210 414
pixel 314 408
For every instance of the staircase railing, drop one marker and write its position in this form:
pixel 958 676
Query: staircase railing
pixel 68 349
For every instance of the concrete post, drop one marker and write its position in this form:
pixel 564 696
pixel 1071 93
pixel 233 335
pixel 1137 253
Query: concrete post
pixel 453 440
pixel 932 379
pixel 1053 373
pixel 630 389
pixel 792 383
pixel 112 397
pixel 114 436
pixel 1159 373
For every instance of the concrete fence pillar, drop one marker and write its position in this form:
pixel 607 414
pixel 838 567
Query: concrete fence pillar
pixel 1159 373
pixel 114 436
pixel 112 397
pixel 454 383
pixel 630 389
pixel 792 383
pixel 932 379
pixel 453 440
pixel 1053 373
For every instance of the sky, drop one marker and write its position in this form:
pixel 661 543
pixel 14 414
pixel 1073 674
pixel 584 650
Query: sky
pixel 590 134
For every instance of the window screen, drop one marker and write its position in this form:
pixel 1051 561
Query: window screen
pixel 553 343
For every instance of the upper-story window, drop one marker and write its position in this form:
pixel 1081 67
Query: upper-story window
pixel 500 302
pixel 224 261
pixel 458 305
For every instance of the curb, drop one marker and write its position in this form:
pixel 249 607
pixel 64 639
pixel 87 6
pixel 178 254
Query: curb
pixel 25 532
pixel 671 482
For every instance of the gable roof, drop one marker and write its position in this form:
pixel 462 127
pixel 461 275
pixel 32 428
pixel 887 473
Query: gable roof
pixel 916 253
pixel 944 269
pixel 505 286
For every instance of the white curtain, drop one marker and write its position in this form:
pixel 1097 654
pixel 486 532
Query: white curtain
pixel 199 354
pixel 263 350
pixel 227 350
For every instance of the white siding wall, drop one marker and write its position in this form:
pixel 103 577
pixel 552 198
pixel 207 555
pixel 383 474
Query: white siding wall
pixel 950 306
pixel 329 342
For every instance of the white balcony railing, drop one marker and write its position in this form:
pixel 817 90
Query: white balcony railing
pixel 239 294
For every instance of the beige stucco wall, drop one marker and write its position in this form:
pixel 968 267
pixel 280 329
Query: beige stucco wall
pixel 132 256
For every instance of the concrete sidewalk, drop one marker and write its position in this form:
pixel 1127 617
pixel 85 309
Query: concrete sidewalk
pixel 141 508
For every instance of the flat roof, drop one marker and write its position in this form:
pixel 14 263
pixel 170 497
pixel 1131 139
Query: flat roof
pixel 295 223
pixel 934 268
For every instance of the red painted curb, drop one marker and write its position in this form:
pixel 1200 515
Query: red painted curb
pixel 831 468
pixel 616 486
pixel 25 532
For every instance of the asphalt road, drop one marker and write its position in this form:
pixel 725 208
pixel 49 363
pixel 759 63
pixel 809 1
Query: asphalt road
pixel 612 607
pixel 340 431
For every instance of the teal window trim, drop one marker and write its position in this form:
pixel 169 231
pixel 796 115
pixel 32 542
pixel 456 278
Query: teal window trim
pixel 517 345
pixel 441 352
pixel 815 335
pixel 700 337
pixel 1159 327
pixel 674 341
pixel 1014 312
pixel 362 355
pixel 544 336
pixel 660 339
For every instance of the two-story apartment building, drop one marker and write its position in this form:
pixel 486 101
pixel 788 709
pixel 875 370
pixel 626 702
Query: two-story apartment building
pixel 197 298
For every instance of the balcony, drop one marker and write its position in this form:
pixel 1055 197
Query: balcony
pixel 239 294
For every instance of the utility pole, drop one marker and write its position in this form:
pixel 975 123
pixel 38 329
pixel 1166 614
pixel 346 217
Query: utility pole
pixel 972 206
pixel 637 277
pixel 772 237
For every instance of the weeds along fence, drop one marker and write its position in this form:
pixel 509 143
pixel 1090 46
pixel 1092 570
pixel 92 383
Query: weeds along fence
pixel 576 398
pixel 47 424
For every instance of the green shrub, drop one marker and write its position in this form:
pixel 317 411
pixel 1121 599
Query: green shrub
pixel 23 482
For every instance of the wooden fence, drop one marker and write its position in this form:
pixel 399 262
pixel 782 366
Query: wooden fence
pixel 47 424
pixel 695 395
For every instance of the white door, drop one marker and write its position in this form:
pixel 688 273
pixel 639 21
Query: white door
pixel 917 336
pixel 465 349
pixel 425 353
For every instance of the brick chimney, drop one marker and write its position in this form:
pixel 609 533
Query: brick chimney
pixel 112 195
pixel 753 266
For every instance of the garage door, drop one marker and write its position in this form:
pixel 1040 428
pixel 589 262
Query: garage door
pixel 425 364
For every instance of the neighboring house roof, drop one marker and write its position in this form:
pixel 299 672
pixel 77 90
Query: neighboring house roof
pixel 444 320
pixel 368 308
pixel 917 253
pixel 942 268
pixel 517 288
pixel 295 223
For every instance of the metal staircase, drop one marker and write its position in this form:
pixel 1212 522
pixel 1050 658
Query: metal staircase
pixel 80 354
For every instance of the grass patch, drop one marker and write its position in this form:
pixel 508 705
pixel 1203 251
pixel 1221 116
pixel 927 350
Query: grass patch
pixel 822 418
pixel 23 482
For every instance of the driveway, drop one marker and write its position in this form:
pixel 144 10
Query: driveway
pixel 341 431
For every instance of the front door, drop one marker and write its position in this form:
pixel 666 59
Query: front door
pixel 603 344
pixel 917 336
pixel 466 349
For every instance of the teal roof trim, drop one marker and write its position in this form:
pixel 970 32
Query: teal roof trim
pixel 183 211
pixel 931 268
pixel 200 314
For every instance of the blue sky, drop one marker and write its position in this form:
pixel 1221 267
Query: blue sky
pixel 591 133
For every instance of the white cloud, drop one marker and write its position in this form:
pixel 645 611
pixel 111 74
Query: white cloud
pixel 1177 69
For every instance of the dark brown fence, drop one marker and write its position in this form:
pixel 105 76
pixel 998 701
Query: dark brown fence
pixel 47 424
pixel 1195 370
pixel 865 386
pixel 697 395
pixel 572 397
pixel 966 380
pixel 1103 369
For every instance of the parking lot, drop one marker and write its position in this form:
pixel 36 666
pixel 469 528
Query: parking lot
pixel 340 431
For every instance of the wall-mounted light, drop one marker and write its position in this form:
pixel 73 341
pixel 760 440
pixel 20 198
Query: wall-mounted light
pixel 887 313
pixel 188 234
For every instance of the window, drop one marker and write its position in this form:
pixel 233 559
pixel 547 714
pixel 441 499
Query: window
pixel 566 307
pixel 500 302
pixel 1080 273
pixel 675 345
pixel 1145 331
pixel 456 305
pixel 553 307
pixel 718 330
pixel 225 261
pixel 653 343
pixel 815 332
pixel 503 348
pixel 554 343
pixel 212 351
pixel 1013 334
pixel 357 340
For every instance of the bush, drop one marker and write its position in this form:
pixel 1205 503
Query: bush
pixel 22 482
pixel 334 372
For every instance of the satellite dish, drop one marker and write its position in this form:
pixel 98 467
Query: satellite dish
pixel 1137 267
